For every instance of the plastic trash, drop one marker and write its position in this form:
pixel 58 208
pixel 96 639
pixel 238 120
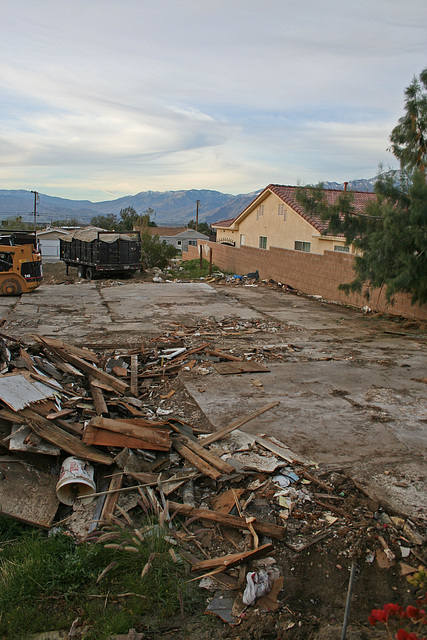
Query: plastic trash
pixel 257 585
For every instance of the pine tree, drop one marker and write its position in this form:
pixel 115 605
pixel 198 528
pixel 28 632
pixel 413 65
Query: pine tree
pixel 390 237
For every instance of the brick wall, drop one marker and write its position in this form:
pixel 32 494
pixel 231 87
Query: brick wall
pixel 308 272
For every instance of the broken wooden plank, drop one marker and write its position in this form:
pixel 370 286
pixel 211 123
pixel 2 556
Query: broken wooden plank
pixel 234 522
pixel 236 424
pixel 105 438
pixel 55 343
pixel 196 460
pixel 98 398
pixel 282 452
pixel 229 368
pixel 60 414
pixel 27 360
pixel 52 433
pixel 23 439
pixel 222 354
pixel 233 559
pixel 102 385
pixel 51 385
pixel 111 500
pixel 136 428
pixel 134 375
pixel 86 367
pixel 208 456
pixel 226 501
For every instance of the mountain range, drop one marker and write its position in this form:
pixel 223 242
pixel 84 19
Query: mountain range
pixel 170 207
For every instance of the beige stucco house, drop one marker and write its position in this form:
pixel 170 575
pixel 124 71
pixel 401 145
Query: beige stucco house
pixel 276 219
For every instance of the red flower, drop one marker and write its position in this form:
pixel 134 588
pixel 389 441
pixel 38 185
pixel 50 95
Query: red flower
pixel 382 615
pixel 404 635
pixel 413 613
pixel 393 609
pixel 378 615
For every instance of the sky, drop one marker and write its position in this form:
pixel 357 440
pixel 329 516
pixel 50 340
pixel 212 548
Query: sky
pixel 105 98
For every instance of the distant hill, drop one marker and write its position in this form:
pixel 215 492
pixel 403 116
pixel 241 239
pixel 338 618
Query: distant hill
pixel 171 207
pixel 353 185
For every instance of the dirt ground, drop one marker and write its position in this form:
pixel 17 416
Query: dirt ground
pixel 353 403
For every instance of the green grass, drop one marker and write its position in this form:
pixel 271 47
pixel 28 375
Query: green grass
pixel 48 581
pixel 191 269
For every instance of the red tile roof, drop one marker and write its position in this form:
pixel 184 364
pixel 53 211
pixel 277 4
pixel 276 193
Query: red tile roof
pixel 288 195
pixel 224 223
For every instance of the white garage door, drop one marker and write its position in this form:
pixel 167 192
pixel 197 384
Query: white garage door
pixel 49 248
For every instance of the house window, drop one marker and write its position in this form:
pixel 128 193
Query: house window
pixel 302 246
pixel 179 243
pixel 260 211
pixel 242 239
pixel 282 211
pixel 193 243
pixel 342 248
pixel 263 242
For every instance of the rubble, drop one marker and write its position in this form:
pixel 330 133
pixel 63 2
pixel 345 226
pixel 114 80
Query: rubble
pixel 241 500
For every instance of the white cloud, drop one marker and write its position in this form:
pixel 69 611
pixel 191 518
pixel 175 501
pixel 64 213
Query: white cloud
pixel 107 97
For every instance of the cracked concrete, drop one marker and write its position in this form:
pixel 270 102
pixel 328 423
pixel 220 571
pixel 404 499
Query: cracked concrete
pixel 349 393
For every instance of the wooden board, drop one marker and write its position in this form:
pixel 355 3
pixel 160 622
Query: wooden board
pixel 104 438
pixel 234 522
pixel 236 424
pixel 208 456
pixel 27 494
pixel 196 461
pixel 228 368
pixel 135 428
pixel 87 368
pixel 233 559
pixel 52 433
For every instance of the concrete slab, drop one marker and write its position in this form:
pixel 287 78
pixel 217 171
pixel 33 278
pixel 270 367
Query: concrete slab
pixel 332 413
pixel 348 389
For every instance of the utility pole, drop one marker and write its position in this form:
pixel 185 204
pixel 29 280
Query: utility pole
pixel 36 195
pixel 197 213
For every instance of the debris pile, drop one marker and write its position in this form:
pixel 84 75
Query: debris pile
pixel 89 438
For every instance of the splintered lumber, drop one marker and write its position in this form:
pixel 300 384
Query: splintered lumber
pixel 86 367
pixel 55 387
pixel 229 368
pixel 27 359
pixel 196 460
pixel 236 424
pixel 234 559
pixel 209 457
pixel 104 438
pixel 112 498
pixel 136 428
pixel 134 375
pixel 49 431
pixel 282 452
pixel 55 343
pixel 234 522
pixel 222 354
pixel 98 398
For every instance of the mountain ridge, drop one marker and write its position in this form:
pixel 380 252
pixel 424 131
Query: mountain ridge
pixel 175 207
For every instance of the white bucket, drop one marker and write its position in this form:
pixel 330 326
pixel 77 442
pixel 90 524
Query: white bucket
pixel 75 481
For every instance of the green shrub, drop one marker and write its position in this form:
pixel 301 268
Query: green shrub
pixel 155 252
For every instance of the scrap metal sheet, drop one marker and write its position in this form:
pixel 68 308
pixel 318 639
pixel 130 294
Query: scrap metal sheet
pixel 18 392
